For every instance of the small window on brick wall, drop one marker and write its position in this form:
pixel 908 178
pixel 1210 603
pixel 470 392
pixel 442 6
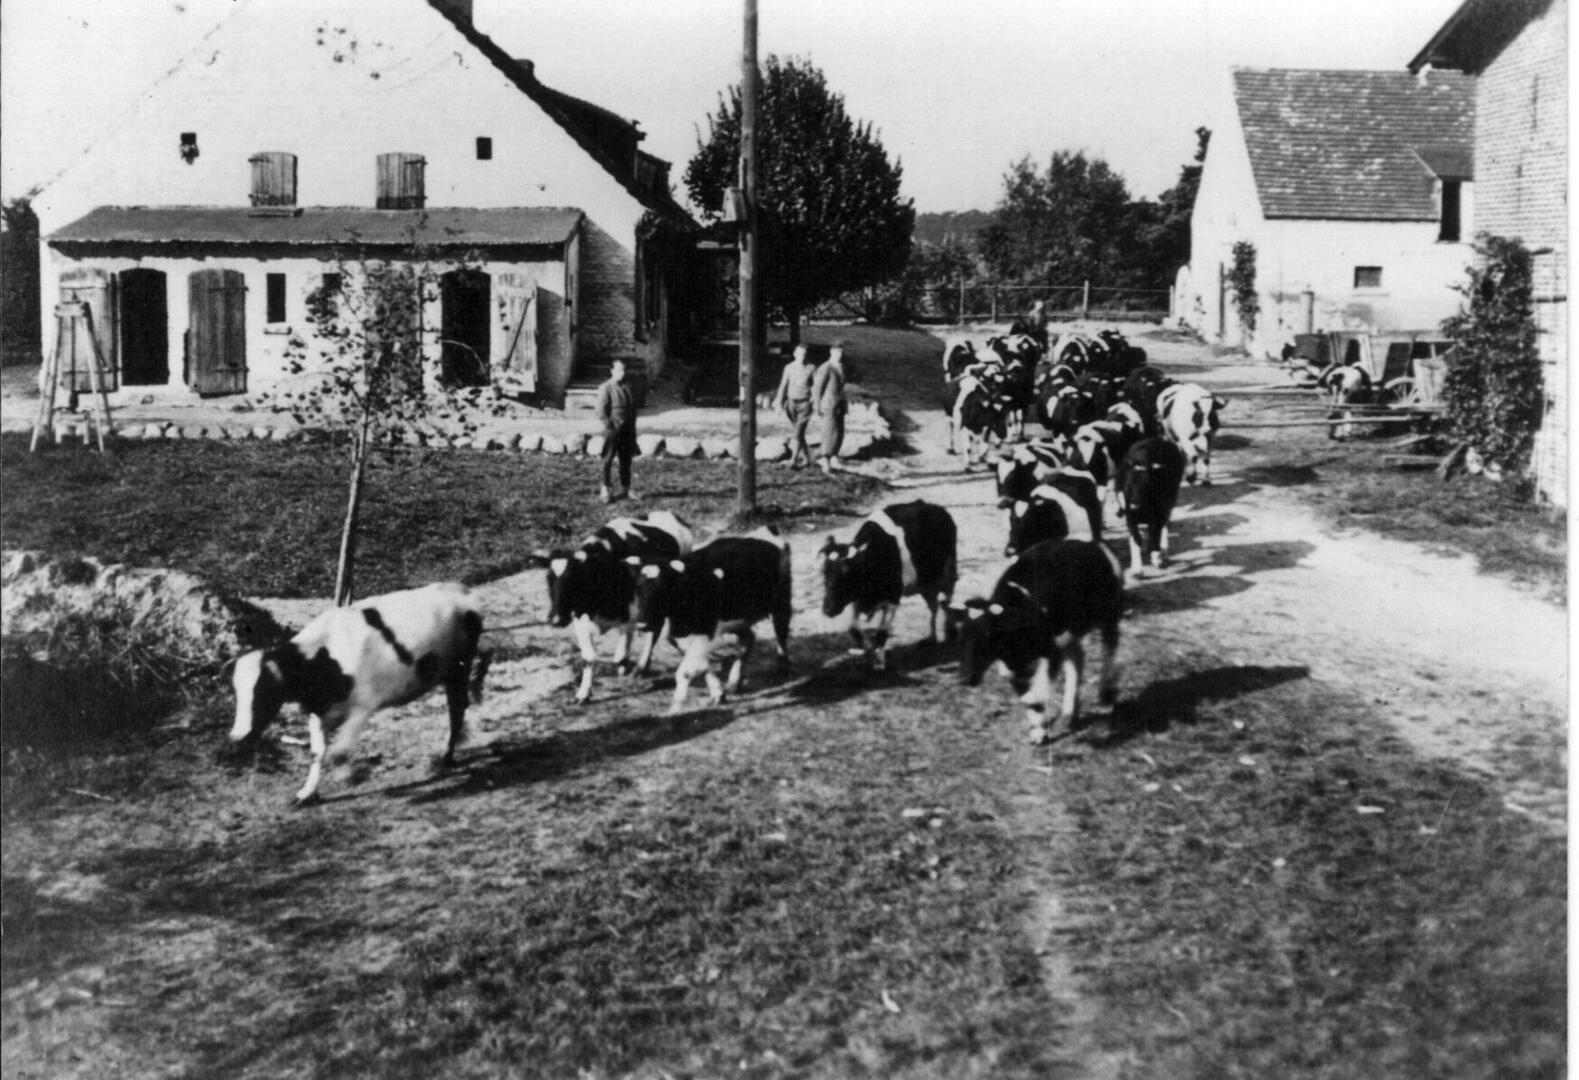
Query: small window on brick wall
pixel 1367 277
pixel 275 293
pixel 484 148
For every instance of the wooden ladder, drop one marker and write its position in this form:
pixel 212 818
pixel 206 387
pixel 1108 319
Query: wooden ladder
pixel 73 317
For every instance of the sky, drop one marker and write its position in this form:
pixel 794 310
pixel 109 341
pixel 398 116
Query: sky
pixel 957 91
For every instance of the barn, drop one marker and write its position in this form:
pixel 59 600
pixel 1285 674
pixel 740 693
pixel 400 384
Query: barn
pixel 298 142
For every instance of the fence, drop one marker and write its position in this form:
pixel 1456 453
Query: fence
pixel 990 302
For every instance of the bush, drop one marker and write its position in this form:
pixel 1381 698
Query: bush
pixel 1492 387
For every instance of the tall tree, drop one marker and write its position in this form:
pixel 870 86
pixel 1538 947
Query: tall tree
pixel 1072 223
pixel 1166 235
pixel 20 334
pixel 831 216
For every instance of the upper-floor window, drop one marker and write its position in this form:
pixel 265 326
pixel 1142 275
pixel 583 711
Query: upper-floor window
pixel 400 181
pixel 1452 210
pixel 1367 277
pixel 484 148
pixel 189 146
pixel 273 178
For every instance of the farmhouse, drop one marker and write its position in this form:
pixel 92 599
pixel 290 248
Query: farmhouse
pixel 1518 52
pixel 301 140
pixel 1354 189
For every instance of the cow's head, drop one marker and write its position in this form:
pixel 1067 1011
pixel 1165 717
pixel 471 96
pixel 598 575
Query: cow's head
pixel 988 632
pixel 1091 454
pixel 656 583
pixel 1016 477
pixel 260 684
pixel 838 575
pixel 556 564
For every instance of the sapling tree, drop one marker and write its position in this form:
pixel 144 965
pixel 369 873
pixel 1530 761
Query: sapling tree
pixel 360 370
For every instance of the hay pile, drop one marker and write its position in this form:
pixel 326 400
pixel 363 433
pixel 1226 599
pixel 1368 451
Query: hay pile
pixel 89 649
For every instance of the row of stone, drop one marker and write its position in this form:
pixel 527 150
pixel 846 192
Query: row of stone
pixel 769 448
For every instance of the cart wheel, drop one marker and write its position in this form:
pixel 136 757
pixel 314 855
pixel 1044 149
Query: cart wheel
pixel 1403 391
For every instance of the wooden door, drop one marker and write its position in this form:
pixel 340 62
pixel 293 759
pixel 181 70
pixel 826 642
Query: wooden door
pixel 518 309
pixel 92 287
pixel 217 338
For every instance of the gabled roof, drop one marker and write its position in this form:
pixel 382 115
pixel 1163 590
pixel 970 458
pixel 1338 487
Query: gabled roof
pixel 1354 145
pixel 1476 34
pixel 320 226
pixel 609 138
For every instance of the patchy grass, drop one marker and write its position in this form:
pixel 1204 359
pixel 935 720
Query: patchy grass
pixel 1353 488
pixel 263 519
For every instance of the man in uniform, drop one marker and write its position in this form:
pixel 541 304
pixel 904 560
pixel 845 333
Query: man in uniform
pixel 616 409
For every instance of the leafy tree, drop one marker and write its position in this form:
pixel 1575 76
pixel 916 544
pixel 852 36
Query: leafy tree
pixel 360 371
pixel 1069 224
pixel 20 333
pixel 1242 278
pixel 1492 387
pixel 831 217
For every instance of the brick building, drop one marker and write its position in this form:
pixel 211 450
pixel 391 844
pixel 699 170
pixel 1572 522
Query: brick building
pixel 1518 51
pixel 300 139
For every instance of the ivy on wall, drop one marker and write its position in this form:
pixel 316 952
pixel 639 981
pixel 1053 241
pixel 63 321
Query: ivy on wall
pixel 1492 387
pixel 1242 279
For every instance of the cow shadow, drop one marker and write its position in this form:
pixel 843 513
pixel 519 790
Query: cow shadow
pixel 505 764
pixel 1163 704
pixel 1183 586
pixel 1281 475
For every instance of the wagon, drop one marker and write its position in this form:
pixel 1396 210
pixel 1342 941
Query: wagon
pixel 1405 366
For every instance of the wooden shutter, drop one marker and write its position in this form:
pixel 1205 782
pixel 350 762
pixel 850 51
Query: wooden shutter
pixel 217 339
pixel 400 181
pixel 273 178
pixel 91 286
pixel 518 310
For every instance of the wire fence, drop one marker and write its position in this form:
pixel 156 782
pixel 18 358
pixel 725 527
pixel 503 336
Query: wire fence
pixel 990 302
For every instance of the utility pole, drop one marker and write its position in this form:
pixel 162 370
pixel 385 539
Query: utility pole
pixel 750 321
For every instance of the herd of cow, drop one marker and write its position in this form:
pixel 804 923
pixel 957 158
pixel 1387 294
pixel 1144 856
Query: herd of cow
pixel 1119 432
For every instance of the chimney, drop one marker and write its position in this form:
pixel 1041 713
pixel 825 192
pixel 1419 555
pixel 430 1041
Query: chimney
pixel 458 10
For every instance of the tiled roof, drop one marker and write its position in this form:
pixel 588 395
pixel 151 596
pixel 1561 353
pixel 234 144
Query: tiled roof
pixel 320 226
pixel 1353 145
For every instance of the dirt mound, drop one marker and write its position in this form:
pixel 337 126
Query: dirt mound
pixel 88 648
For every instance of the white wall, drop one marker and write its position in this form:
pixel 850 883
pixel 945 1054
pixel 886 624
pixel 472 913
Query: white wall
pixel 263 81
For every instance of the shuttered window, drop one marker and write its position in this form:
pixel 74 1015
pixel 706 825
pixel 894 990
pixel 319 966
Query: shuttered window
pixel 273 178
pixel 400 181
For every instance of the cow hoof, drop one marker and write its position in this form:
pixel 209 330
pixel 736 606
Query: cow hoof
pixel 1040 736
pixel 302 802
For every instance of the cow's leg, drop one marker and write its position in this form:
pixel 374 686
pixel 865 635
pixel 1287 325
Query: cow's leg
pixel 1138 547
pixel 746 639
pixel 1107 691
pixel 878 637
pixel 696 661
pixel 457 696
pixel 1072 662
pixel 781 631
pixel 622 647
pixel 1036 696
pixel 315 770
pixel 584 630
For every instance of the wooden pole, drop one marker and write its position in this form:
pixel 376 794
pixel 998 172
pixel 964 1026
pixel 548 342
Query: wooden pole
pixel 750 323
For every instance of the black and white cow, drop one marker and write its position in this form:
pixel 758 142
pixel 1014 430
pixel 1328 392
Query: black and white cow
pixel 350 662
pixel 1019 471
pixel 1187 414
pixel 902 550
pixel 725 586
pixel 1065 505
pixel 1040 610
pixel 1142 387
pixel 1149 479
pixel 979 405
pixel 594 587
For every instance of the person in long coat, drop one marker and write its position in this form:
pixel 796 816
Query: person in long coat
pixel 828 395
pixel 616 411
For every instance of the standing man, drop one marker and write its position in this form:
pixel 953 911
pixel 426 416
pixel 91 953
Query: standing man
pixel 794 397
pixel 617 413
pixel 827 393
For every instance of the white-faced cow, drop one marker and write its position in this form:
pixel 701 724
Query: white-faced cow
pixel 594 587
pixel 1187 414
pixel 350 662
pixel 902 550
pixel 1040 610
pixel 726 586
pixel 1065 505
pixel 1149 479
pixel 1019 471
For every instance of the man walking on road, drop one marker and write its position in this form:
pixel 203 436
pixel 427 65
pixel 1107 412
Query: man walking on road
pixel 616 409
pixel 794 397
pixel 827 392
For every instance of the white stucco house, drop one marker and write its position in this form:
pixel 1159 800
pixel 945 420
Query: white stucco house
pixel 1355 189
pixel 300 138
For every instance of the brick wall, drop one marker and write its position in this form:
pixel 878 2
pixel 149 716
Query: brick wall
pixel 1521 190
pixel 606 326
